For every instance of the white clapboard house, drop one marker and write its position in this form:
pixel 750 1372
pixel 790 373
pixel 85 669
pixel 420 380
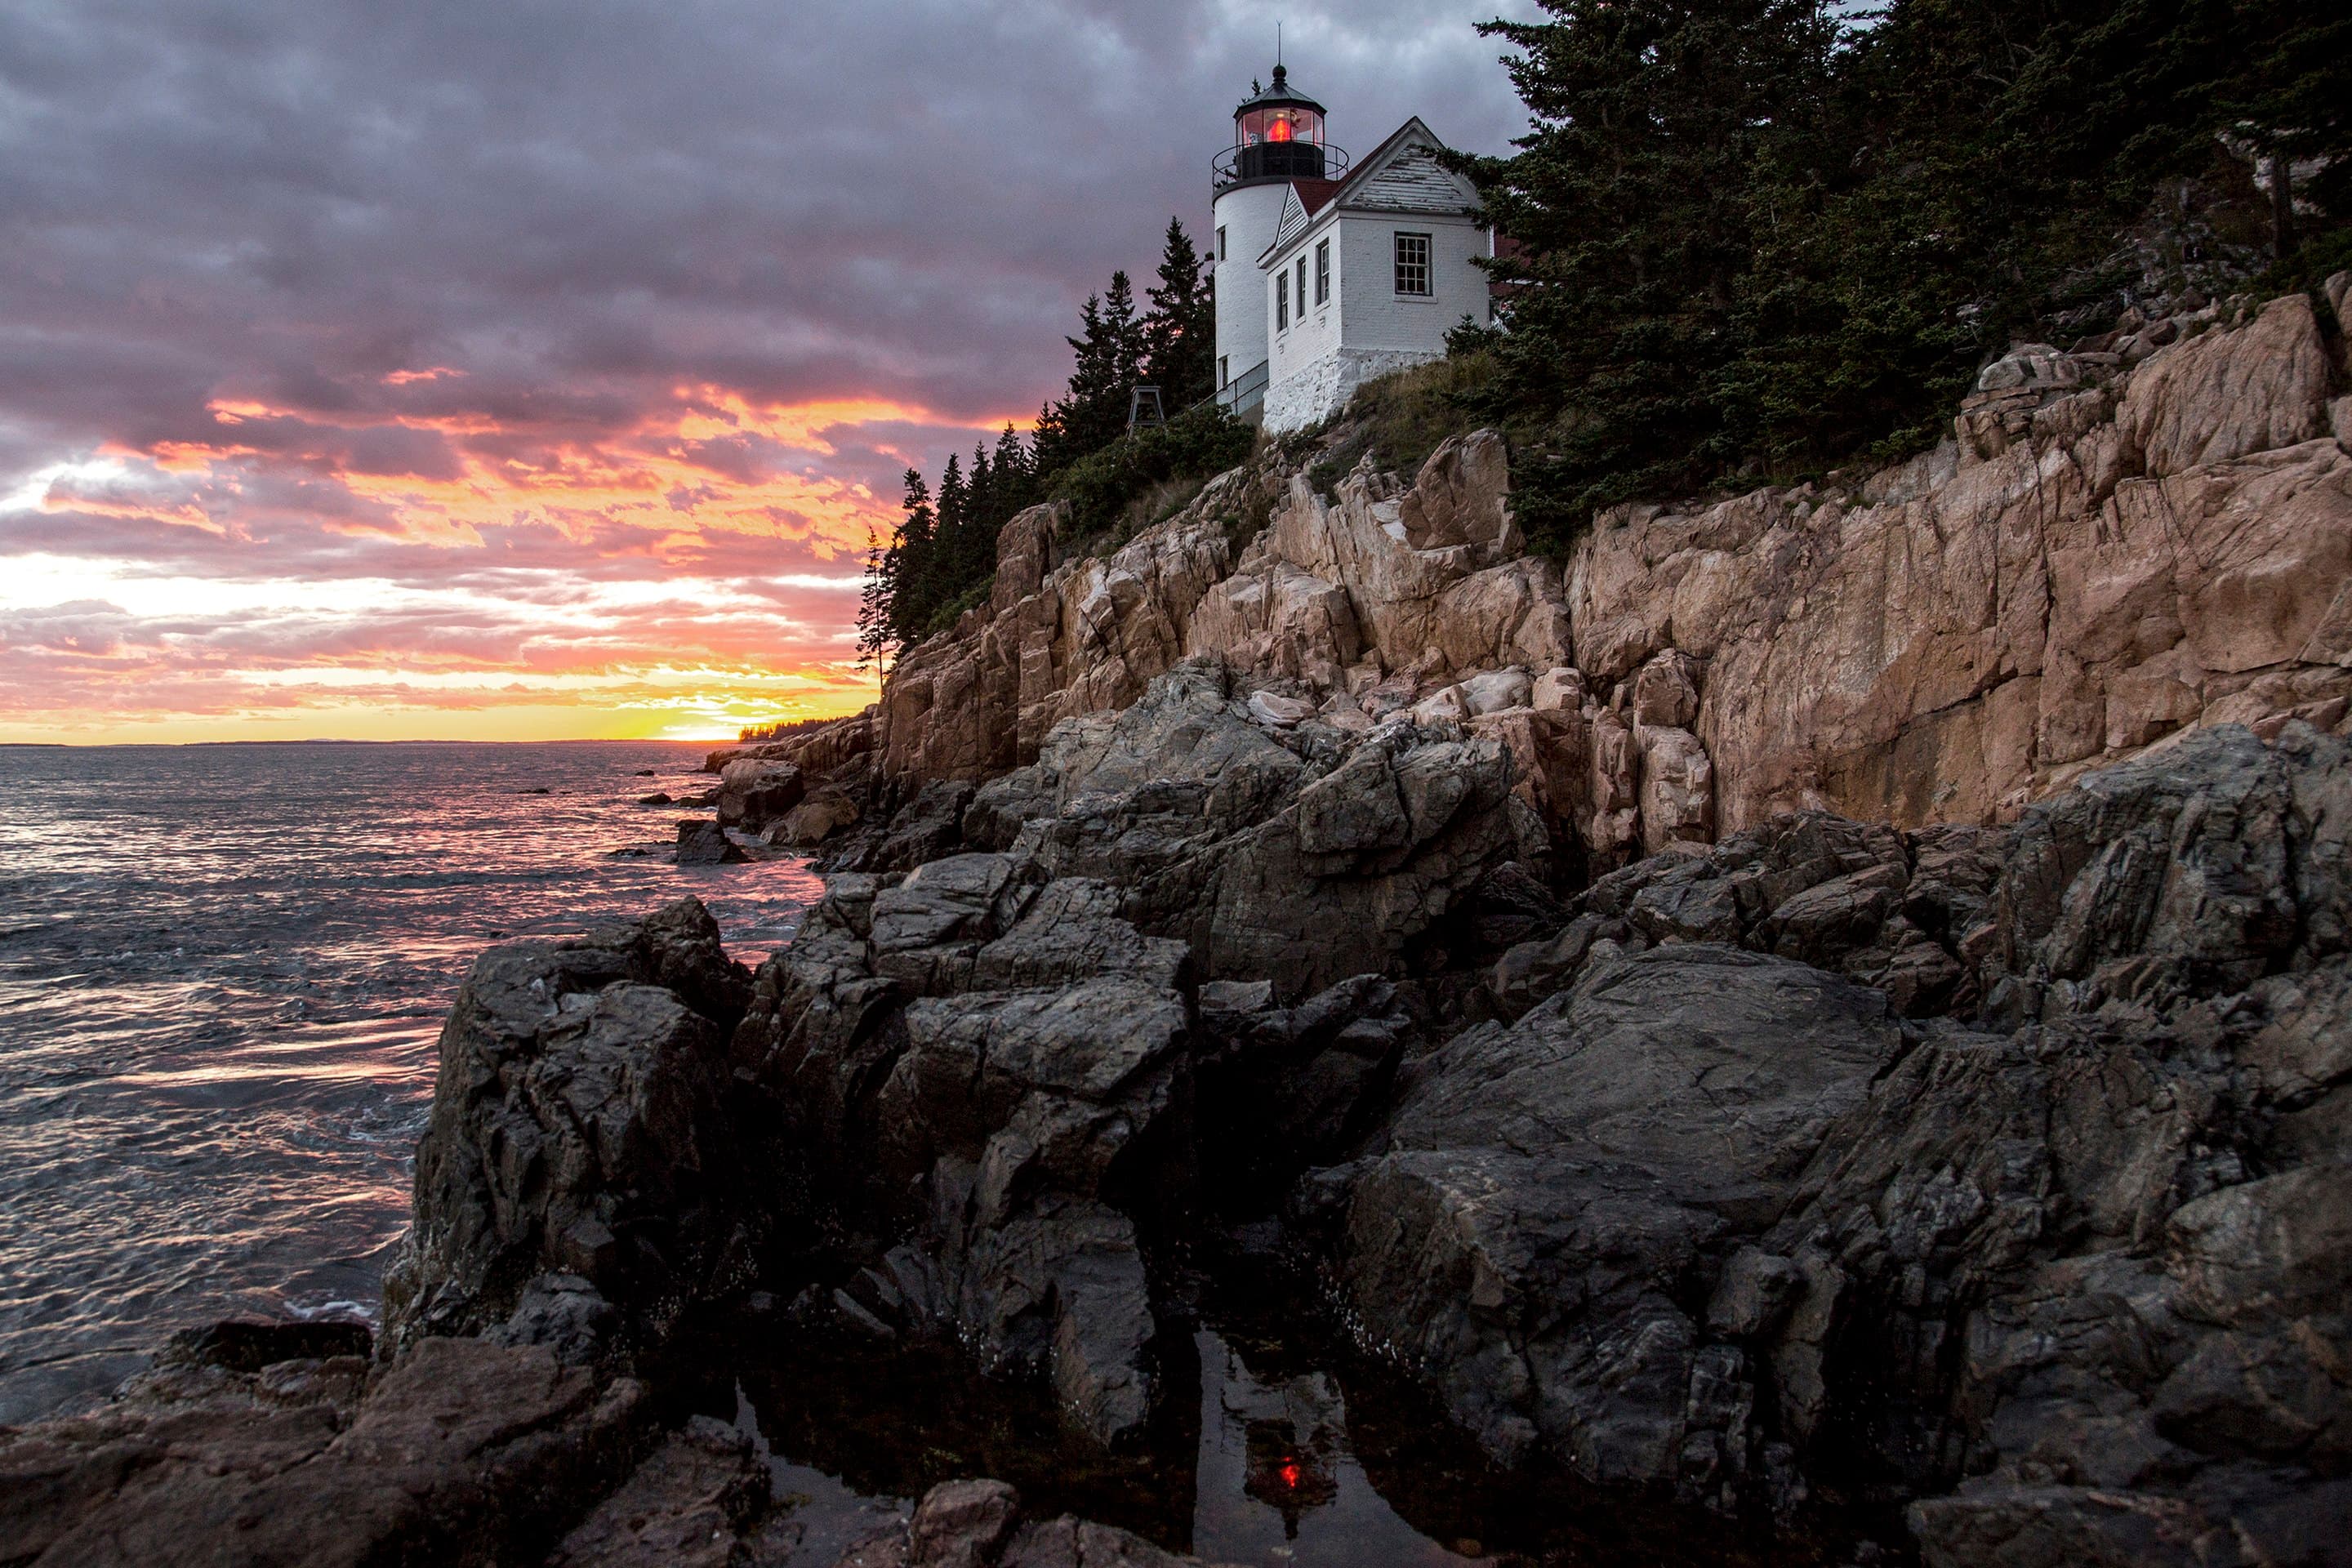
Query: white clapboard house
pixel 1326 275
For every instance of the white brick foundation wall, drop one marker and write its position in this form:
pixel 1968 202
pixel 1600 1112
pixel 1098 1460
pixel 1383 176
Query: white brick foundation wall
pixel 1322 387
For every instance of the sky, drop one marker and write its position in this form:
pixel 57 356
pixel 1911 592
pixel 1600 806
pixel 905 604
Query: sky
pixel 531 370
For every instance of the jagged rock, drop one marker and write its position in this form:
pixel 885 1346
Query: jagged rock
pixel 2086 1258
pixel 753 792
pixel 706 843
pixel 1432 566
pixel 979 1524
pixel 1225 836
pixel 1056 641
pixel 1677 788
pixel 927 827
pixel 927 930
pixel 1542 1192
pixel 579 1127
pixel 1966 632
pixel 824 813
pixel 688 1505
pixel 1285 1085
pixel 985 1120
pixel 464 1452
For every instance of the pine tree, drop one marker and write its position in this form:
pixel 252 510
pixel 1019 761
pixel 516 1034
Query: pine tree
pixel 894 578
pixel 1180 329
pixel 874 636
pixel 1015 473
pixel 984 519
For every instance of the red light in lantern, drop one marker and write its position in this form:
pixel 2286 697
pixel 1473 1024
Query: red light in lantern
pixel 1278 132
pixel 1290 1475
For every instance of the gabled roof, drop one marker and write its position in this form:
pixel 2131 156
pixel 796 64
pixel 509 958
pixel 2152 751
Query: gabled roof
pixel 1304 208
pixel 1314 194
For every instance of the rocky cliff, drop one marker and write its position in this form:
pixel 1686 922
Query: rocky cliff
pixel 2116 546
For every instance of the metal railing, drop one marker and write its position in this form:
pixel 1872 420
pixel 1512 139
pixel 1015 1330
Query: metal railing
pixel 1244 392
pixel 1278 160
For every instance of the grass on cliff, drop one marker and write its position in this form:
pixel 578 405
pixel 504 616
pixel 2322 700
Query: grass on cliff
pixel 1402 417
pixel 1148 475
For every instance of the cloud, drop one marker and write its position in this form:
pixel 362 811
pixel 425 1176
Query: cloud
pixel 490 303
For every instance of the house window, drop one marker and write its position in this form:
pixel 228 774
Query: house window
pixel 1221 242
pixel 1323 272
pixel 1282 299
pixel 1224 374
pixel 1412 264
pixel 1302 286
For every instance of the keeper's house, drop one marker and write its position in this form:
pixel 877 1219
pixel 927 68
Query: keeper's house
pixel 1326 275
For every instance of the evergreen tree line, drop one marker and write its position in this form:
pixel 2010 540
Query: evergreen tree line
pixel 943 554
pixel 1761 236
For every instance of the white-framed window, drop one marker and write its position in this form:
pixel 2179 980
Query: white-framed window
pixel 1412 265
pixel 1282 299
pixel 1224 370
pixel 1322 271
pixel 1221 242
pixel 1302 287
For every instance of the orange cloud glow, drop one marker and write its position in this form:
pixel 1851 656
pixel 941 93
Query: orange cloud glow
pixel 432 570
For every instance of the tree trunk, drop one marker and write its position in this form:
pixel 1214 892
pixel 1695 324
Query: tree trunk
pixel 2282 206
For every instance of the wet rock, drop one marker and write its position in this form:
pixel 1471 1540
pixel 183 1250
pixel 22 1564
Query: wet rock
pixel 972 1065
pixel 243 1345
pixel 706 843
pixel 828 810
pixel 689 1505
pixel 753 792
pixel 1542 1192
pixel 464 1452
pixel 1267 863
pixel 659 797
pixel 580 1127
pixel 1287 1086
pixel 981 1524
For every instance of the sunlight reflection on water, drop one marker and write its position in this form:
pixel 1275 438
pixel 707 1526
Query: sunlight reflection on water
pixel 222 973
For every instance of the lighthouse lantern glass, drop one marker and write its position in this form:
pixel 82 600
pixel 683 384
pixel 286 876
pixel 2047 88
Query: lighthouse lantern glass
pixel 1279 125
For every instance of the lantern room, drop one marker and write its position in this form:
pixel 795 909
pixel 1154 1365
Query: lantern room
pixel 1277 135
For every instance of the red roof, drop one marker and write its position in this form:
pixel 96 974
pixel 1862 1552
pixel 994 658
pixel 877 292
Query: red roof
pixel 1314 194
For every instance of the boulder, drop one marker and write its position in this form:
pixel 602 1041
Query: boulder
pixel 706 843
pixel 981 1524
pixel 688 1505
pixel 1299 856
pixel 825 812
pixel 987 1072
pixel 753 792
pixel 580 1127
pixel 1543 1193
pixel 463 1452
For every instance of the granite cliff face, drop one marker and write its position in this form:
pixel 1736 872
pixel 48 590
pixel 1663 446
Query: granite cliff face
pixel 2107 554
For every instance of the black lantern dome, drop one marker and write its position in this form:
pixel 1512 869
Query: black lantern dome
pixel 1277 135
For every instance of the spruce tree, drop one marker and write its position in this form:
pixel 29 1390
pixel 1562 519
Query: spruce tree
pixel 1180 329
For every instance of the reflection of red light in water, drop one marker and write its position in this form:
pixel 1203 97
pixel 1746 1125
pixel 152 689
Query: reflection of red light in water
pixel 1278 132
pixel 1290 1474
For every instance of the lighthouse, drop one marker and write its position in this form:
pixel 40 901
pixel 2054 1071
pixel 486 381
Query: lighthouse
pixel 1278 143
pixel 1328 276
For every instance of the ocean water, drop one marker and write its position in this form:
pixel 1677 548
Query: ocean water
pixel 223 970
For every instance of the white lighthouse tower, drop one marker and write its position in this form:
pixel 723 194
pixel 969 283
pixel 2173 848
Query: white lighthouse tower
pixel 1278 144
